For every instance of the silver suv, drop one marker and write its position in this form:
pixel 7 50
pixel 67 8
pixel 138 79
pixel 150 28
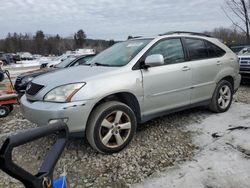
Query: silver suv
pixel 133 82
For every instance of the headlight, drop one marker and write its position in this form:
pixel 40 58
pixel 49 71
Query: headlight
pixel 26 80
pixel 63 93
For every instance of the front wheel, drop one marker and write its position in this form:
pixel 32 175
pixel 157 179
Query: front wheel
pixel 222 97
pixel 111 127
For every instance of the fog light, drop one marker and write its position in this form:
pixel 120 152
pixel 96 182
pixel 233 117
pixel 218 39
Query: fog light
pixel 65 120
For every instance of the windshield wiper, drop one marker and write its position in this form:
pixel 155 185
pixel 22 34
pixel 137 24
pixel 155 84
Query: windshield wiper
pixel 100 64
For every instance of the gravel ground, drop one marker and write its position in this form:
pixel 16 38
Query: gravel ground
pixel 243 95
pixel 157 145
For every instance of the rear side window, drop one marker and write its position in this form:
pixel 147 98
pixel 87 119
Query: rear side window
pixel 213 50
pixel 196 48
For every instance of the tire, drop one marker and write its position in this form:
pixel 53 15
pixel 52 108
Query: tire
pixel 4 111
pixel 106 134
pixel 222 97
pixel 10 106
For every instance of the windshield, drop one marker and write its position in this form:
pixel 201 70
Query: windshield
pixel 65 62
pixel 245 50
pixel 120 54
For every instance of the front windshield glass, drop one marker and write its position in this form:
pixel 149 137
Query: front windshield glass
pixel 65 62
pixel 245 50
pixel 120 54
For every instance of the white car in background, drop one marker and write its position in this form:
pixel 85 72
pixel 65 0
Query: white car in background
pixel 58 60
pixel 244 59
pixel 68 54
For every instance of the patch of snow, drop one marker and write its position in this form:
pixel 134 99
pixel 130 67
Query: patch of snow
pixel 221 162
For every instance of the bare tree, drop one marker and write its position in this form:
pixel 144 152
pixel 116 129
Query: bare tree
pixel 238 13
pixel 230 36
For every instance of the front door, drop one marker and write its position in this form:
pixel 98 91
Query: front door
pixel 167 86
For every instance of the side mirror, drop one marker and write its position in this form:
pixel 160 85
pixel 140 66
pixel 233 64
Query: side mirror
pixel 1 75
pixel 154 60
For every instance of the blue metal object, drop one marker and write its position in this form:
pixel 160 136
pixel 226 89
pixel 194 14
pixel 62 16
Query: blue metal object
pixel 60 182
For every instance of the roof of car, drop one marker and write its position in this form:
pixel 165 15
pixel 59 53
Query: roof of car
pixel 174 33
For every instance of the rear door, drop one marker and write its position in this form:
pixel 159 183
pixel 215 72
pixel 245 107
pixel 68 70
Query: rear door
pixel 167 86
pixel 206 64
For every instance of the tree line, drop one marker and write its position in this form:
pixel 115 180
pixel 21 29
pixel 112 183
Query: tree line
pixel 44 44
pixel 229 36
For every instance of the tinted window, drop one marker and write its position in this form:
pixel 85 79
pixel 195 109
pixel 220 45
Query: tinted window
pixel 213 50
pixel 171 50
pixel 197 49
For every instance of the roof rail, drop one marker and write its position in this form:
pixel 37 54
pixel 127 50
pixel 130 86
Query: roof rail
pixel 185 32
pixel 135 37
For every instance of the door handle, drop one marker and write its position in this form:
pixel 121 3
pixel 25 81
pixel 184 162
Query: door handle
pixel 186 68
pixel 218 63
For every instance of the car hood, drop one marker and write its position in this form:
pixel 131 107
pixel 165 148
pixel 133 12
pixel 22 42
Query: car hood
pixel 69 75
pixel 36 72
pixel 72 75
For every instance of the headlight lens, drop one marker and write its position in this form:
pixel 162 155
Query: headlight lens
pixel 63 93
pixel 26 80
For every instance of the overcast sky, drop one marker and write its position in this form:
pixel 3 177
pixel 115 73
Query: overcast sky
pixel 110 19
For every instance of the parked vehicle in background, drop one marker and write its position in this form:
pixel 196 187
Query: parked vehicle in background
pixel 244 59
pixel 237 49
pixel 245 50
pixel 61 58
pixel 55 60
pixel 25 56
pixel 23 79
pixel 6 58
pixel 133 82
pixel 85 51
pixel 3 58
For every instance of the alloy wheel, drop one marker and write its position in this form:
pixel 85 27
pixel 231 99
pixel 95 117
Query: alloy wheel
pixel 224 97
pixel 115 129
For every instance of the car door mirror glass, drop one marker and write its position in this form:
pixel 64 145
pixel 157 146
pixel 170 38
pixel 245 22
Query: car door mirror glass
pixel 154 60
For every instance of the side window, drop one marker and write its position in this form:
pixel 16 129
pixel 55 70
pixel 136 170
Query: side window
pixel 82 61
pixel 196 48
pixel 213 50
pixel 171 49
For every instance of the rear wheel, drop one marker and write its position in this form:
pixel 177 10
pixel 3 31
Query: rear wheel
pixel 4 111
pixel 222 97
pixel 111 127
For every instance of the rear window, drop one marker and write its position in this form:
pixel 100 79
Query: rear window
pixel 213 50
pixel 196 48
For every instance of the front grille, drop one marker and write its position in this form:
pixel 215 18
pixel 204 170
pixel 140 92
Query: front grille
pixel 33 89
pixel 244 62
pixel 245 59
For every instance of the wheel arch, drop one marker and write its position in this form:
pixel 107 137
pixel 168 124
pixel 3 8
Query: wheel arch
pixel 125 97
pixel 229 79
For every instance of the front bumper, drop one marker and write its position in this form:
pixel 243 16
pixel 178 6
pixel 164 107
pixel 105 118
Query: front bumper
pixel 41 113
pixel 245 71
